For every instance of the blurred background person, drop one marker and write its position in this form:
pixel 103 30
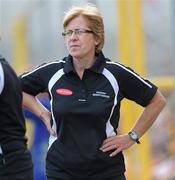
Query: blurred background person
pixel 15 158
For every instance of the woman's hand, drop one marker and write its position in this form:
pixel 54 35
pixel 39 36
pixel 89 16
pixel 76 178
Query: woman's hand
pixel 34 105
pixel 45 116
pixel 117 143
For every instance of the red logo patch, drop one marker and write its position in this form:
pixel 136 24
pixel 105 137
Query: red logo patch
pixel 64 92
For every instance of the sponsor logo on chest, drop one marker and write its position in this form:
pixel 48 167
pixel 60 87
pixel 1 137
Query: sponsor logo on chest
pixel 101 94
pixel 64 92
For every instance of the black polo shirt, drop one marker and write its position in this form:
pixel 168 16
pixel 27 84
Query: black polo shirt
pixel 12 123
pixel 15 159
pixel 85 112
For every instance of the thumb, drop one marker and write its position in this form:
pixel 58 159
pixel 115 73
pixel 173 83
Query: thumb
pixel 50 130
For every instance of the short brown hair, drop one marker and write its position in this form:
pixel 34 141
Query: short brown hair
pixel 92 13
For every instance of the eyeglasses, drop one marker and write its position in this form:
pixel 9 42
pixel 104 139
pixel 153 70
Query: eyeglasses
pixel 77 32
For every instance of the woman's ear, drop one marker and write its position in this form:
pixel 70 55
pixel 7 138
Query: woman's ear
pixel 96 43
pixel 97 40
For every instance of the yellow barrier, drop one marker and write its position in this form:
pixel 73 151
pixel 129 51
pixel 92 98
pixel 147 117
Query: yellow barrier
pixel 20 55
pixel 131 52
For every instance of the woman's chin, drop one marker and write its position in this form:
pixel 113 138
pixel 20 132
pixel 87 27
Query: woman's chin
pixel 75 55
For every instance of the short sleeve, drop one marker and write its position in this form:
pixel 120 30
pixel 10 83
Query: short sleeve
pixel 34 82
pixel 136 88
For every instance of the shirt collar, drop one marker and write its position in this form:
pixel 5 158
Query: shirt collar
pixel 68 66
pixel 97 67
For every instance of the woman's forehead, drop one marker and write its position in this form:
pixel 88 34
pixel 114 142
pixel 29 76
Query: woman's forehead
pixel 78 21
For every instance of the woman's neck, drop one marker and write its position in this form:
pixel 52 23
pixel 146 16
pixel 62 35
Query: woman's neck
pixel 81 64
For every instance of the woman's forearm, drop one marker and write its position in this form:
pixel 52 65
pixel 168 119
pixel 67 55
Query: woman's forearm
pixel 31 103
pixel 149 114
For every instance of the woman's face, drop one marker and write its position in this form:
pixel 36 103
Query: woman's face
pixel 79 38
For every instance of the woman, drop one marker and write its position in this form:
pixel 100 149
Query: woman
pixel 15 158
pixel 85 91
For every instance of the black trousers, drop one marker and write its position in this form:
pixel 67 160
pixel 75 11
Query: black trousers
pixel 121 177
pixel 16 166
pixel 24 175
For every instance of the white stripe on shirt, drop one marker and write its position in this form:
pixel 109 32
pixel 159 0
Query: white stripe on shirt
pixel 42 66
pixel 109 128
pixel 52 82
pixel 137 76
pixel 1 78
pixel 0 150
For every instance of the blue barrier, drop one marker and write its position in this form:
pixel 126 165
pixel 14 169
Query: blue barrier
pixel 39 141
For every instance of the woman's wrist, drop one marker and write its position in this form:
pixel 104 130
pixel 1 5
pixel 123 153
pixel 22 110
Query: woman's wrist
pixel 44 115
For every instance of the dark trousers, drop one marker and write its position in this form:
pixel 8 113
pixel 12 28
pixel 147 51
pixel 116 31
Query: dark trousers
pixel 122 177
pixel 26 175
pixel 16 166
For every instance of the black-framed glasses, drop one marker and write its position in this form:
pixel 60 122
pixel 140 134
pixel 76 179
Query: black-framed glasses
pixel 77 32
